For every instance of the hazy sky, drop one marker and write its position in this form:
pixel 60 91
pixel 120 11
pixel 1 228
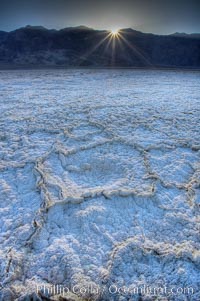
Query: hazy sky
pixel 157 16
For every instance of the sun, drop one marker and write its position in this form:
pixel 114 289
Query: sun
pixel 114 32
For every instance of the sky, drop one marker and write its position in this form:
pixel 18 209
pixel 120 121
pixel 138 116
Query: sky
pixel 156 16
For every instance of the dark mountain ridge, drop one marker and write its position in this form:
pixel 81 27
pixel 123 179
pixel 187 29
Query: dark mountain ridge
pixel 83 46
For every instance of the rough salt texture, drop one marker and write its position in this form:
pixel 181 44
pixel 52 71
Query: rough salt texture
pixel 99 181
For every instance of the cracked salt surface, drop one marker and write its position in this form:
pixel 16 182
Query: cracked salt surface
pixel 99 181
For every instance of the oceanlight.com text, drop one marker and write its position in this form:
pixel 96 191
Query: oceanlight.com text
pixel 113 289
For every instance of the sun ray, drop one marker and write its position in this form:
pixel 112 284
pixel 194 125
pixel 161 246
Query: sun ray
pixel 89 52
pixel 123 49
pixel 108 44
pixel 112 40
pixel 138 53
pixel 113 51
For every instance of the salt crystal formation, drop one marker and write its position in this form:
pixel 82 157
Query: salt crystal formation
pixel 99 182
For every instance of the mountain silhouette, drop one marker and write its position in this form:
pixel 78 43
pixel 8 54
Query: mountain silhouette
pixel 83 46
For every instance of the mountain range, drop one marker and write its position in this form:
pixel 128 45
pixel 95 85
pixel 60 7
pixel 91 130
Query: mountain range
pixel 36 46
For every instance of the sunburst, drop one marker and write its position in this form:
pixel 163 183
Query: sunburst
pixel 114 32
pixel 113 40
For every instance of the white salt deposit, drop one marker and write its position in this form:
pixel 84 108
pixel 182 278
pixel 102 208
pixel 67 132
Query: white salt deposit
pixel 99 182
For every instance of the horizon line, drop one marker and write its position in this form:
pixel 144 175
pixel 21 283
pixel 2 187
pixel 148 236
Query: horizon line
pixel 95 29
